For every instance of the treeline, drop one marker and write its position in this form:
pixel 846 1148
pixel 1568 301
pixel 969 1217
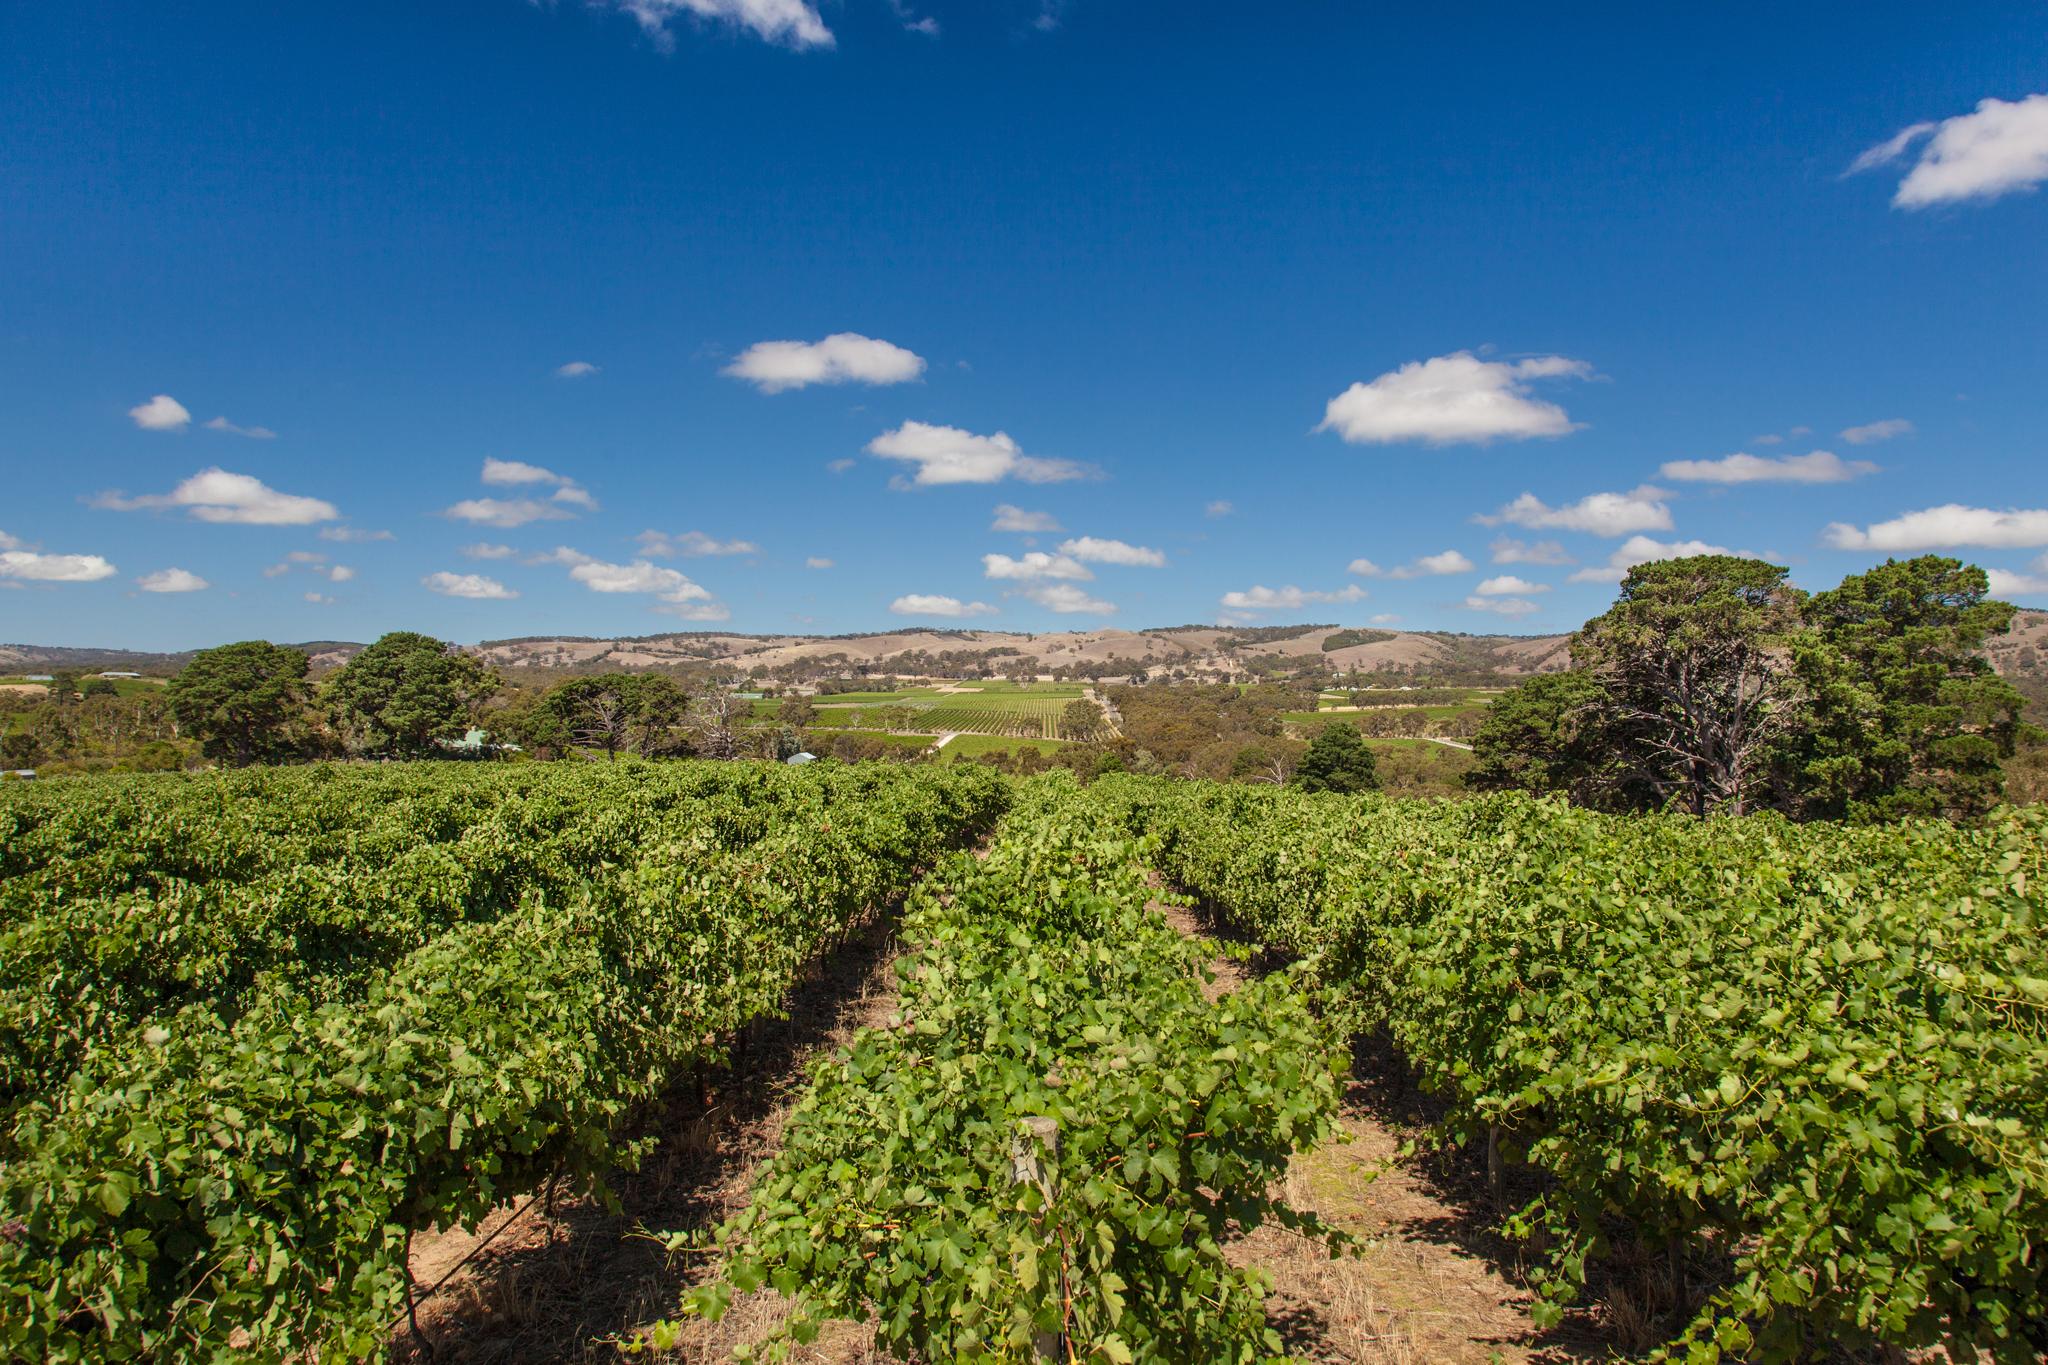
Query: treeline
pixel 1712 685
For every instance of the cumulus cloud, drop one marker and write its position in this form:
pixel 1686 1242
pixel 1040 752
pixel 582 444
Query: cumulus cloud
pixel 819 562
pixel 575 369
pixel 471 585
pixel 842 358
pixel 1877 431
pixel 2008 584
pixel 1951 524
pixel 1821 466
pixel 1222 507
pixel 1363 567
pixel 640 576
pixel 172 580
pixel 484 549
pixel 1094 551
pixel 789 23
pixel 1035 565
pixel 1599 514
pixel 1384 618
pixel 1508 585
pixel 1502 606
pixel 1446 561
pixel 1508 550
pixel 1065 598
pixel 2000 149
pixel 506 513
pixel 339 573
pixel 932 604
pixel 1454 399
pixel 30 566
pixel 353 533
pixel 218 496
pixel 1010 518
pixel 161 413
pixel 944 455
pixel 1261 598
pixel 1643 550
pixel 694 544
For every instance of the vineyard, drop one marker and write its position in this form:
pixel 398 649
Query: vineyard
pixel 258 1030
pixel 1018 714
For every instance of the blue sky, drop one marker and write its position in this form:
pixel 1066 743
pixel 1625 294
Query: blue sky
pixel 1331 312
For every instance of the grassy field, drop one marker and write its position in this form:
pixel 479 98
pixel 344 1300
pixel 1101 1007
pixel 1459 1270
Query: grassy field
pixel 1009 710
pixel 124 687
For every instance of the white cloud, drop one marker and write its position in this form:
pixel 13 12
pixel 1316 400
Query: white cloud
pixel 1600 514
pixel 1011 518
pixel 1508 550
pixel 1448 561
pixel 253 433
pixel 319 599
pixel 1222 507
pixel 840 466
pixel 1877 431
pixel 506 513
pixel 946 455
pixel 161 413
pixel 692 543
pixel 697 611
pixel 471 585
pixel 1290 598
pixel 1643 550
pixel 2006 584
pixel 1066 598
pixel 791 23
pixel 931 604
pixel 42 568
pixel 1999 149
pixel 306 557
pixel 1363 567
pixel 561 554
pixel 518 473
pixel 1384 618
pixel 8 542
pixel 353 533
pixel 172 580
pixel 639 576
pixel 217 496
pixel 484 549
pixel 340 573
pixel 1508 585
pixel 1502 606
pixel 1821 466
pixel 1094 551
pixel 842 358
pixel 1035 565
pixel 1452 399
pixel 819 562
pixel 1948 525
pixel 576 369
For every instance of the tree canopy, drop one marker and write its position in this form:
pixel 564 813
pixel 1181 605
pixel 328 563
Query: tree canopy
pixel 1337 761
pixel 405 693
pixel 641 713
pixel 244 702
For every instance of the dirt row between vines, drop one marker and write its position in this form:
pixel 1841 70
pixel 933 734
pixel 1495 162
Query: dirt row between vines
pixel 563 1281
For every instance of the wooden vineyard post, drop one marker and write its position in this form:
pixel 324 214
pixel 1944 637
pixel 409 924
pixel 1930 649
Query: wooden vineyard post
pixel 1034 1156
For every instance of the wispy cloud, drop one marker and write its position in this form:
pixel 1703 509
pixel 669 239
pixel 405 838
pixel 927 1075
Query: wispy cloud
pixel 1035 565
pixel 1067 599
pixel 1093 550
pixel 576 369
pixel 694 544
pixel 1508 550
pixel 1877 431
pixel 253 433
pixel 1821 466
pixel 1290 598
pixel 1502 606
pixel 1009 518
pixel 788 23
